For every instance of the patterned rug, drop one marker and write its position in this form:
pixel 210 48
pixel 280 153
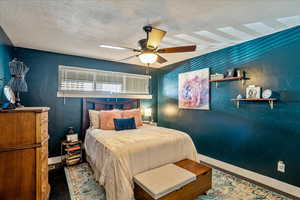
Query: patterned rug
pixel 224 187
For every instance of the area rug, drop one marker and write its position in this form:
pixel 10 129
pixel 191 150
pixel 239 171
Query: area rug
pixel 224 187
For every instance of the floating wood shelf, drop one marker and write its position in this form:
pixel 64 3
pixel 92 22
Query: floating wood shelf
pixel 269 100
pixel 229 79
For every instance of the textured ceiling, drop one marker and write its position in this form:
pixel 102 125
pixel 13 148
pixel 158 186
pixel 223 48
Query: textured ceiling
pixel 78 27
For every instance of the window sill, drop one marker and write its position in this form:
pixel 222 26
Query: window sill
pixel 87 95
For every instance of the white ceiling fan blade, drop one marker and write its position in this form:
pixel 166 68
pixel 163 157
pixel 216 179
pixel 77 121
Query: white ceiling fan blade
pixel 118 47
pixel 112 47
pixel 124 59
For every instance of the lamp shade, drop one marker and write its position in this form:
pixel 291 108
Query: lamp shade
pixel 148 58
pixel 148 112
pixel 18 71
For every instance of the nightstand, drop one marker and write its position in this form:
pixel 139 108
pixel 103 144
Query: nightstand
pixel 71 152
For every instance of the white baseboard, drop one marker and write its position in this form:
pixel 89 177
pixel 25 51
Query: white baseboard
pixel 271 182
pixel 54 160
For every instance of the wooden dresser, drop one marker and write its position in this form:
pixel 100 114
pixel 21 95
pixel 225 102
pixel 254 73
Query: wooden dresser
pixel 24 154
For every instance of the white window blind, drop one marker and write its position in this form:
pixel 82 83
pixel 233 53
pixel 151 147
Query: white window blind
pixel 82 82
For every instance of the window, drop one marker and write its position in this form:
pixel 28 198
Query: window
pixel 82 82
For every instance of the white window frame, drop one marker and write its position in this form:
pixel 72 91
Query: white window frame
pixel 95 94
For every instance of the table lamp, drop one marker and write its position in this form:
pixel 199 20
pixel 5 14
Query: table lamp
pixel 148 113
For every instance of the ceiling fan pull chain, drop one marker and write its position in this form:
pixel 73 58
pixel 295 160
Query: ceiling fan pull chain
pixel 148 68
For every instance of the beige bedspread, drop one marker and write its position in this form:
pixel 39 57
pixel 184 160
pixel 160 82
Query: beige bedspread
pixel 116 156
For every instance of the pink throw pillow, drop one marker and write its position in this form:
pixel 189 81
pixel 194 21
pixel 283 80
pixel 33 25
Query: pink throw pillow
pixel 107 119
pixel 136 113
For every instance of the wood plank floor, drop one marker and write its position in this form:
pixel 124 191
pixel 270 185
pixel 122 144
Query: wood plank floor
pixel 60 191
pixel 58 184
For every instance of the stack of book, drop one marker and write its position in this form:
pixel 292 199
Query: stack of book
pixel 73 154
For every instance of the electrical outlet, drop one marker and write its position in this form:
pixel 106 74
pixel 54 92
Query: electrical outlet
pixel 281 166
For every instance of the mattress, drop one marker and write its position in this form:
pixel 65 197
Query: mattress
pixel 116 156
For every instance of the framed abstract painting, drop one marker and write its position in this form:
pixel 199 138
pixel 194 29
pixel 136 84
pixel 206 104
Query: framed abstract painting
pixel 193 89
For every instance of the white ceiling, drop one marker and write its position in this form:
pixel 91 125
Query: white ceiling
pixel 78 27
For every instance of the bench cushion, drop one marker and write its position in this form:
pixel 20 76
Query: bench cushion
pixel 161 181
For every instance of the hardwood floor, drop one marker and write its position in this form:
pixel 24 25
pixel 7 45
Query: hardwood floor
pixel 59 187
pixel 58 184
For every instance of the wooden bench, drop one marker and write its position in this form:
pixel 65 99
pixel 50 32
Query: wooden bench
pixel 188 192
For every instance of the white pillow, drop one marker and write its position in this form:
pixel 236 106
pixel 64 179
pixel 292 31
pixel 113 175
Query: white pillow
pixel 94 119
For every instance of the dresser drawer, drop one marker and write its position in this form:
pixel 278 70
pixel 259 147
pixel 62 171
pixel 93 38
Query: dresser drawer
pixel 44 178
pixel 44 183
pixel 44 131
pixel 17 175
pixel 44 151
pixel 17 129
pixel 43 175
pixel 44 124
pixel 44 117
pixel 41 127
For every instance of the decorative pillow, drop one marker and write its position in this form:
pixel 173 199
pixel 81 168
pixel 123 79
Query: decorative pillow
pixel 136 113
pixel 124 124
pixel 107 119
pixel 94 119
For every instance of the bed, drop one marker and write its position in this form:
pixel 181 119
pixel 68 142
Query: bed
pixel 116 156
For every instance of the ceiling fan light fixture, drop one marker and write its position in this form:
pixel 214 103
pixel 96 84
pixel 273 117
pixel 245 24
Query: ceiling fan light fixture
pixel 148 58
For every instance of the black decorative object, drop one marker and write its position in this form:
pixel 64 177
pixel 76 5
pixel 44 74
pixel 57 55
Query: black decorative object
pixel 71 130
pixel 230 73
pixel 17 82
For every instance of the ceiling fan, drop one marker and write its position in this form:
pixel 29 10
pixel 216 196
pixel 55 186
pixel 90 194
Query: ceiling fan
pixel 148 51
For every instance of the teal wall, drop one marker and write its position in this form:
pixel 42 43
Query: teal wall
pixel 6 53
pixel 42 80
pixel 253 137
